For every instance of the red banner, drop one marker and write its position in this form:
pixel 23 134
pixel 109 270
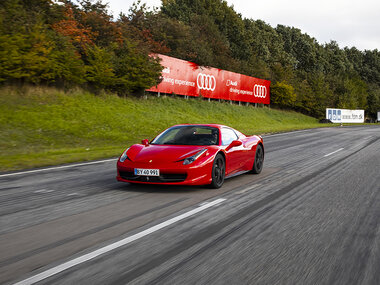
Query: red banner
pixel 187 78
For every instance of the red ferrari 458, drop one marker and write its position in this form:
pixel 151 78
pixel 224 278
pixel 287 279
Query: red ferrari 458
pixel 192 155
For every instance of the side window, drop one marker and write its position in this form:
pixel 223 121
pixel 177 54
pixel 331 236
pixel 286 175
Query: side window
pixel 228 136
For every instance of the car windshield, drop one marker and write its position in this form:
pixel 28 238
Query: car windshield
pixel 188 135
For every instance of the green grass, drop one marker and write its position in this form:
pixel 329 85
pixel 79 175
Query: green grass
pixel 42 126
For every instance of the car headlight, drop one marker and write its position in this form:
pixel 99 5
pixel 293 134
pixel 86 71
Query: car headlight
pixel 194 157
pixel 124 156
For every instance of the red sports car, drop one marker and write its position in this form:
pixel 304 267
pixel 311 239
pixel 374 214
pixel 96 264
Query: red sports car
pixel 192 155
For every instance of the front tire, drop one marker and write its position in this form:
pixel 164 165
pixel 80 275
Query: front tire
pixel 218 172
pixel 259 160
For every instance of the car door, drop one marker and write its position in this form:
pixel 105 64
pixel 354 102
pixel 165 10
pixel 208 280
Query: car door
pixel 233 154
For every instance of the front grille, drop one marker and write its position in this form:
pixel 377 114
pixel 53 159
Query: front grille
pixel 173 177
pixel 163 178
pixel 129 175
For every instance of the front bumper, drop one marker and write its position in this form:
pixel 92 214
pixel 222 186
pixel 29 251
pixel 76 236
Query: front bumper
pixel 173 174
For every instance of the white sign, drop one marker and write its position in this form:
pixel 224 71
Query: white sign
pixel 345 116
pixel 378 116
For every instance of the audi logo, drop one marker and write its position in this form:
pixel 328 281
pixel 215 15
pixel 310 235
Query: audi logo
pixel 259 91
pixel 206 82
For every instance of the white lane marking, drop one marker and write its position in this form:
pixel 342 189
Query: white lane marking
pixel 58 167
pixel 43 191
pixel 331 153
pixel 74 194
pixel 81 259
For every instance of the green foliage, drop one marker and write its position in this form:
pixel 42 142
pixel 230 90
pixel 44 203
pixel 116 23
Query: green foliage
pixel 282 94
pixel 135 70
pixel 66 64
pixel 373 100
pixel 352 94
pixel 300 48
pixel 99 70
pixel 43 42
pixel 37 57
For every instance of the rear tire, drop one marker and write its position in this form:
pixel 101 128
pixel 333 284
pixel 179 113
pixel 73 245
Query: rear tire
pixel 218 172
pixel 259 160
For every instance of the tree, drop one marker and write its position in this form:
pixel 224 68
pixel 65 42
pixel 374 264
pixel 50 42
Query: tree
pixel 282 94
pixel 300 46
pixel 38 56
pixel 373 100
pixel 78 35
pixel 79 42
pixel 135 70
pixel 99 70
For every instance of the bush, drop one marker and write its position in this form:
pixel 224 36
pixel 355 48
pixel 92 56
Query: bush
pixel 282 94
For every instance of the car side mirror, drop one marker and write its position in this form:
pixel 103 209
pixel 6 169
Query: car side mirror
pixel 145 142
pixel 234 143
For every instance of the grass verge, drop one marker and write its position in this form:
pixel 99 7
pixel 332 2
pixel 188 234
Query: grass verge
pixel 42 126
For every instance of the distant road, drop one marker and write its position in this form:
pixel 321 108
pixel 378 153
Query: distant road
pixel 311 217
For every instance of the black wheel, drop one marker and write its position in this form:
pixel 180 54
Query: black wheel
pixel 218 172
pixel 259 160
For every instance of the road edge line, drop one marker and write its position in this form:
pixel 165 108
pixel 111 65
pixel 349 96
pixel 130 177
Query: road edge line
pixel 58 167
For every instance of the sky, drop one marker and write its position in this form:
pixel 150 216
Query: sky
pixel 349 23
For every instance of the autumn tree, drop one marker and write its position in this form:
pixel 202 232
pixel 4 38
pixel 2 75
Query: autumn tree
pixel 80 43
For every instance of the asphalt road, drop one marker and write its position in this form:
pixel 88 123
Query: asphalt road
pixel 311 217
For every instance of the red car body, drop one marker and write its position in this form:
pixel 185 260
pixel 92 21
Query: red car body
pixel 237 154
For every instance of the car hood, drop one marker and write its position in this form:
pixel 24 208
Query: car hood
pixel 159 153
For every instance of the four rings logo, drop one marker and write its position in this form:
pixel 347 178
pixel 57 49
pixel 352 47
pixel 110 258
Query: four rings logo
pixel 259 91
pixel 206 82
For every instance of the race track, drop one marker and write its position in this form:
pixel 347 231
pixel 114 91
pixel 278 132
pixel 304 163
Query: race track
pixel 311 217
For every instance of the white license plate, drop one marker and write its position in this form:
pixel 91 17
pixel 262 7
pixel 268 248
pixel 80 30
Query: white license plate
pixel 147 172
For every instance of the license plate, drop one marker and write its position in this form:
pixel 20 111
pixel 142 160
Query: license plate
pixel 147 172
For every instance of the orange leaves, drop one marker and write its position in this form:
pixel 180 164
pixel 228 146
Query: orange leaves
pixel 155 46
pixel 76 32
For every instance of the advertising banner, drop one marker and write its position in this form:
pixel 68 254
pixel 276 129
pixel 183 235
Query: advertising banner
pixel 345 116
pixel 186 78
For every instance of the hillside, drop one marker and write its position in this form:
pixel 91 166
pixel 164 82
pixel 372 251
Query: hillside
pixel 80 44
pixel 44 126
